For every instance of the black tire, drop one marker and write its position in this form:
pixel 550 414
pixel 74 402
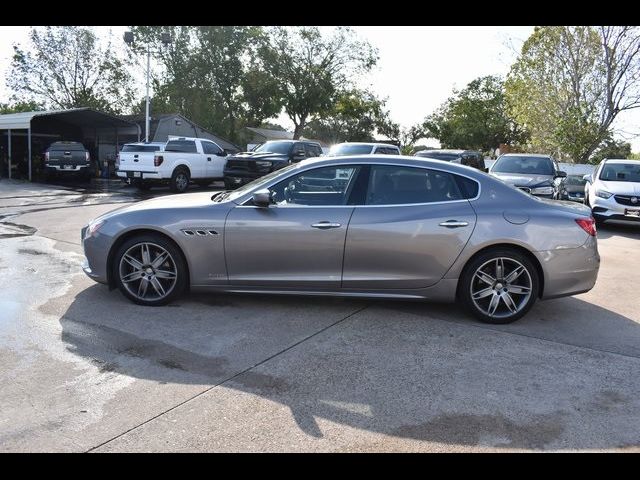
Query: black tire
pixel 468 276
pixel 178 183
pixel 181 281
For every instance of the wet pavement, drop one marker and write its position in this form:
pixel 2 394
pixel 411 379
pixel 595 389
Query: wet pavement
pixel 83 369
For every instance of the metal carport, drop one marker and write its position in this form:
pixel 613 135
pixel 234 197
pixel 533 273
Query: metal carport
pixel 77 124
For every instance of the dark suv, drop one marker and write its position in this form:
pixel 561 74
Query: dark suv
pixel 465 157
pixel 245 167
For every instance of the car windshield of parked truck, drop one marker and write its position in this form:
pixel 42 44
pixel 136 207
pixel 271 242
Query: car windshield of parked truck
pixel 621 172
pixel 282 148
pixel 523 165
pixel 140 148
pixel 349 149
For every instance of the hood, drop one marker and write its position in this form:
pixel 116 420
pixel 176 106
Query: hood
pixel 258 156
pixel 186 200
pixel 620 188
pixel 522 180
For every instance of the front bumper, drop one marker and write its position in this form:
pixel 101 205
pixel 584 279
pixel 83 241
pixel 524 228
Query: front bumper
pixel 241 177
pixel 611 209
pixel 95 250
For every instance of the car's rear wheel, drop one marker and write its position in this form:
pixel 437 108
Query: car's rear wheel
pixel 149 270
pixel 499 286
pixel 180 180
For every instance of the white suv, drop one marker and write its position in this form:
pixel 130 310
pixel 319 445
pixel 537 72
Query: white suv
pixel 613 190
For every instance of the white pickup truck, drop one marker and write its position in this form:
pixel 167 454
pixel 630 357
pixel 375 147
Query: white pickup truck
pixel 182 160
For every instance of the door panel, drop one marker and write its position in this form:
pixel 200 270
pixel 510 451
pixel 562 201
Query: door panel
pixel 279 247
pixel 404 246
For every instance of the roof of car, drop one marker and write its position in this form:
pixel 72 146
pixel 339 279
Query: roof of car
pixel 526 155
pixel 620 160
pixel 367 143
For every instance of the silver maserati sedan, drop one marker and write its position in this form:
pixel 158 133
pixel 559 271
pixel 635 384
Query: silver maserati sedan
pixel 357 226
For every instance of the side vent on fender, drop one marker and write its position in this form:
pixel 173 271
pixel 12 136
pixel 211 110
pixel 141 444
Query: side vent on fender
pixel 199 232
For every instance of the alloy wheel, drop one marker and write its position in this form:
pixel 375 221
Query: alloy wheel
pixel 148 271
pixel 501 287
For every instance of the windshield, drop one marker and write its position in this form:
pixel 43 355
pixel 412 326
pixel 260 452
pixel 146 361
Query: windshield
pixel 523 165
pixel 349 149
pixel 258 182
pixel 575 180
pixel 274 147
pixel 621 172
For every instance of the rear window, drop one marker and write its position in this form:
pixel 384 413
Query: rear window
pixel 140 148
pixel 183 146
pixel 350 149
pixel 66 146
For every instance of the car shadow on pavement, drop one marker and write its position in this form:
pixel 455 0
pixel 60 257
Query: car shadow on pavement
pixel 410 371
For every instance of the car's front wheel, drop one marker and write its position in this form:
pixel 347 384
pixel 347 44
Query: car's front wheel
pixel 149 270
pixel 499 286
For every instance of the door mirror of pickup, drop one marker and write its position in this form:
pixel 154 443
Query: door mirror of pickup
pixel 261 198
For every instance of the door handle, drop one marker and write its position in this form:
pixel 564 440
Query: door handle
pixel 453 224
pixel 325 225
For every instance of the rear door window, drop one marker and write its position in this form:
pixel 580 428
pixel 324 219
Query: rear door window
pixel 397 185
pixel 183 146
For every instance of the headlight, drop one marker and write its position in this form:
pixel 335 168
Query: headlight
pixel 542 191
pixel 263 164
pixel 603 194
pixel 92 229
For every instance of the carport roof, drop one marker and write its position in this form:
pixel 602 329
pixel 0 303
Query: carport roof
pixel 76 116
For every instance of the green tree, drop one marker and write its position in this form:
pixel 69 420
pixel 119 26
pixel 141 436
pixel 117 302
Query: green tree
pixel 475 118
pixel 67 67
pixel 18 107
pixel 569 84
pixel 612 148
pixel 352 118
pixel 311 70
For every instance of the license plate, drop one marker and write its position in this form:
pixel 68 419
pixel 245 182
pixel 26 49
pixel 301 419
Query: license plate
pixel 134 174
pixel 237 180
pixel 635 212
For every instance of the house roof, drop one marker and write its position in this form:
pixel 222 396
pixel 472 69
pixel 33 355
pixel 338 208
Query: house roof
pixel 271 134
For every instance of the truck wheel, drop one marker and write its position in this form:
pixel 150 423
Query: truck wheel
pixel 179 180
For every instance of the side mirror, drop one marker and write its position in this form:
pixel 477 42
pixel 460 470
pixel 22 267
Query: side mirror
pixel 561 174
pixel 261 198
pixel 587 178
pixel 486 169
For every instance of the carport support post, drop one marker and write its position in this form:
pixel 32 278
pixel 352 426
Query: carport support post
pixel 29 143
pixel 9 139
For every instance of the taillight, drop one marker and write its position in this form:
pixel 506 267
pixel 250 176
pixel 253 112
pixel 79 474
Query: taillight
pixel 157 160
pixel 588 225
pixel 86 156
pixel 46 156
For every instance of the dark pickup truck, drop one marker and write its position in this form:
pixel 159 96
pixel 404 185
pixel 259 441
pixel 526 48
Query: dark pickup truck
pixel 67 158
pixel 245 167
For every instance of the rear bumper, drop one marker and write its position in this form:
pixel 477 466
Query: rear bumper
pixel 569 271
pixel 72 168
pixel 138 175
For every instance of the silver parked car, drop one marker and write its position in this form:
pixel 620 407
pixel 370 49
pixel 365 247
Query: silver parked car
pixel 377 226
